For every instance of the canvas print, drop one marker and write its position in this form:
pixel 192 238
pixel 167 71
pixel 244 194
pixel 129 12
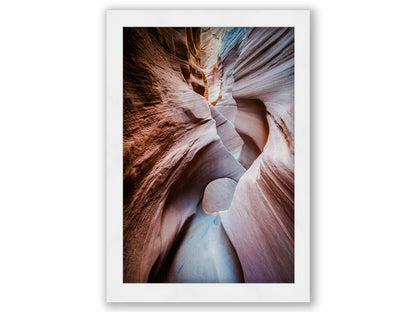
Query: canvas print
pixel 208 155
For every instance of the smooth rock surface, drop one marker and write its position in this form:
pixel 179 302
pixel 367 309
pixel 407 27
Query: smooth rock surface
pixel 218 195
pixel 204 254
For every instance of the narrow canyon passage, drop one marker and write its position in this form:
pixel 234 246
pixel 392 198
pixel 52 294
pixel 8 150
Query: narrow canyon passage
pixel 205 254
pixel 208 155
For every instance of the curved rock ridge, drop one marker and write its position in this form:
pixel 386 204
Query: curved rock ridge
pixel 233 41
pixel 208 155
pixel 260 221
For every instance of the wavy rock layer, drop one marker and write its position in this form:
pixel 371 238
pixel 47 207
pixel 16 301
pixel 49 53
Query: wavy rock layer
pixel 208 155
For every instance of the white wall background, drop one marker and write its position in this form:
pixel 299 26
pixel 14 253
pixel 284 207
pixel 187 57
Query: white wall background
pixel 52 139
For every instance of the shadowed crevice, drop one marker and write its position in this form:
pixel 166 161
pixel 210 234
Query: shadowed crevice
pixel 252 126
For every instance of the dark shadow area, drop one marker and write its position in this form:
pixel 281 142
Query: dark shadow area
pixel 159 269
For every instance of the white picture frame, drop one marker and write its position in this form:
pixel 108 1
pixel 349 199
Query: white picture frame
pixel 299 291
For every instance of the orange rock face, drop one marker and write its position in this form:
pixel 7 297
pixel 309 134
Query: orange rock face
pixel 208 149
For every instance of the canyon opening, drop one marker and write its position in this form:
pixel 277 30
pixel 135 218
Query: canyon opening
pixel 208 155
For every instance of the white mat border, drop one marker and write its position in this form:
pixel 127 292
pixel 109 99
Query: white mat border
pixel 119 292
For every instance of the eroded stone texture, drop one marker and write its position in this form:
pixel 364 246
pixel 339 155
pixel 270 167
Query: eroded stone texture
pixel 260 221
pixel 203 107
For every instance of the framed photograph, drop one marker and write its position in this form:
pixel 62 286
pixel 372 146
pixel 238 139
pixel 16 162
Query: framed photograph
pixel 208 156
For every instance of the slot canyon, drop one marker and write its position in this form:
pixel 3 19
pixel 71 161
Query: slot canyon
pixel 208 155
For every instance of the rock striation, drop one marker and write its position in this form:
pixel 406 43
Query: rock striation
pixel 208 155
